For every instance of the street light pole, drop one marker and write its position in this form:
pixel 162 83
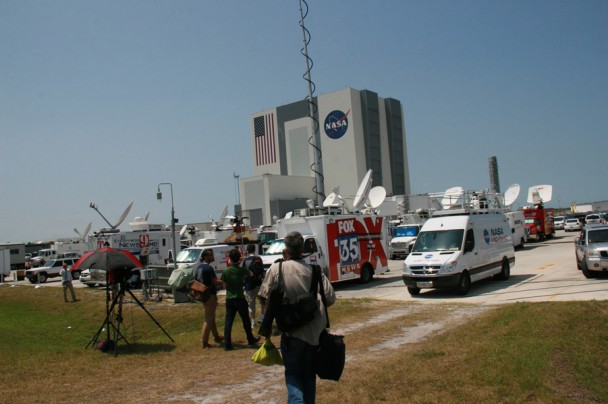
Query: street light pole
pixel 159 196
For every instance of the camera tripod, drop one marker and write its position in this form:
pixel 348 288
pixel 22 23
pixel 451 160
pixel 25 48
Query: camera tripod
pixel 114 317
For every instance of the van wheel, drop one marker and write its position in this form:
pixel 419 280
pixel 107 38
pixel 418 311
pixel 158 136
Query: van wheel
pixel 366 274
pixel 505 271
pixel 464 283
pixel 42 277
pixel 76 275
pixel 413 291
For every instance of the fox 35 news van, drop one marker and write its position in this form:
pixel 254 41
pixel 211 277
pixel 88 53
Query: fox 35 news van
pixel 457 248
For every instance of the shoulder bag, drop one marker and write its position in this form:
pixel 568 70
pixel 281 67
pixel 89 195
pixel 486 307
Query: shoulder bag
pixel 330 357
pixel 199 291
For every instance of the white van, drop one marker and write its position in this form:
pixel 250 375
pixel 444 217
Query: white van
pixel 517 222
pixel 455 250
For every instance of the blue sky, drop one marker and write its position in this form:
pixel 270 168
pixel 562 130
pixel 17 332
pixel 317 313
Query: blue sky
pixel 100 101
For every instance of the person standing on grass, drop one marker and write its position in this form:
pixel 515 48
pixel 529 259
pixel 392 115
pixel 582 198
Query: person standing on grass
pixel 254 264
pixel 297 347
pixel 206 275
pixel 66 282
pixel 233 279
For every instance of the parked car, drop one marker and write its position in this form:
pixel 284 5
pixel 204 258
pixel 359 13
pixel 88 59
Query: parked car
pixel 558 222
pixel 594 218
pixel 50 269
pixel 592 250
pixel 574 224
pixel 93 276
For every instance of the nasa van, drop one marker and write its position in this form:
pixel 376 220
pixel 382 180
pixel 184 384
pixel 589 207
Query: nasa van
pixel 456 249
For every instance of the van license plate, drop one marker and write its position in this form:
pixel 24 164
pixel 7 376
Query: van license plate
pixel 424 284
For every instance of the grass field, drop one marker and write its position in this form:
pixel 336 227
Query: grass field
pixel 546 352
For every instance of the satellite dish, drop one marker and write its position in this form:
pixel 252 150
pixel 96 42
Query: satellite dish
pixel 123 216
pixel 376 196
pixel 288 215
pixel 511 195
pixel 85 233
pixel 183 230
pixel 362 192
pixel 452 197
pixel 331 200
pixel 540 193
pixel 223 216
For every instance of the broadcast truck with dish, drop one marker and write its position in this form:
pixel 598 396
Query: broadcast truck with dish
pixel 460 244
pixel 347 243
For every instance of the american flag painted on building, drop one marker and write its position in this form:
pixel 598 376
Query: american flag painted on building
pixel 265 152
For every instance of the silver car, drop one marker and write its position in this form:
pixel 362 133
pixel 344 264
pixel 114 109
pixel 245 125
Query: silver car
pixel 573 224
pixel 594 219
pixel 592 250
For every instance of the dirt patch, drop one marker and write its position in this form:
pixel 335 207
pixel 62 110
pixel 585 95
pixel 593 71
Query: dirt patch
pixel 267 384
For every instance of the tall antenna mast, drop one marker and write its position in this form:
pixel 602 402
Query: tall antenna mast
pixel 314 140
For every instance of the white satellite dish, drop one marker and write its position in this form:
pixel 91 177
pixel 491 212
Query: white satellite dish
pixel 183 230
pixel 220 222
pixel 452 197
pixel 331 200
pixel 376 196
pixel 511 195
pixel 540 193
pixel 123 216
pixel 362 192
pixel 85 233
pixel 288 215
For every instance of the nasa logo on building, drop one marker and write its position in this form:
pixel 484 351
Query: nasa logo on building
pixel 336 124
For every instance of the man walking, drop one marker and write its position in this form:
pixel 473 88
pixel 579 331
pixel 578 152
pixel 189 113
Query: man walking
pixel 254 264
pixel 66 282
pixel 233 279
pixel 206 275
pixel 298 347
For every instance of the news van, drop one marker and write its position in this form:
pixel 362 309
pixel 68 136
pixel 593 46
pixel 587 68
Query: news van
pixel 458 247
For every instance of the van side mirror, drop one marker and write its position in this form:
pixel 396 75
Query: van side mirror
pixel 577 240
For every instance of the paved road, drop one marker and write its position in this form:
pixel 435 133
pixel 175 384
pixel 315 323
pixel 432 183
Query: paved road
pixel 543 271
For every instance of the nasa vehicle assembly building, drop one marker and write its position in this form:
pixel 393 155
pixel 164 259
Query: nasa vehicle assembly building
pixel 358 131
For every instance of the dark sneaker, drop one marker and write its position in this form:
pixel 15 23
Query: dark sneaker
pixel 254 341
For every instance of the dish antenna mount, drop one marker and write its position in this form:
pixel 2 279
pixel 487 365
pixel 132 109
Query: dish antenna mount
pixel 122 217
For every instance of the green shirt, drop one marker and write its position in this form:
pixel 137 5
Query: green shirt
pixel 234 277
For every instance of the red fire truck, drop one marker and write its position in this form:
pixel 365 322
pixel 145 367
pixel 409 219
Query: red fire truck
pixel 539 223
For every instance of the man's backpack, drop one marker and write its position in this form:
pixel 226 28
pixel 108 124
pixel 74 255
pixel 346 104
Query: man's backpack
pixel 256 266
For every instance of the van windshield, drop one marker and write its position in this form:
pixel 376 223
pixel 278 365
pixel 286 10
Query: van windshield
pixel 276 247
pixel 407 231
pixel 188 256
pixel 446 240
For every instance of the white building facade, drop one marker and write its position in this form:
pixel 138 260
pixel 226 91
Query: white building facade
pixel 358 131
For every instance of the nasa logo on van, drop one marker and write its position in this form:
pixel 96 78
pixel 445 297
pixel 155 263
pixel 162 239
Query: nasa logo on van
pixel 428 256
pixel 336 124
pixel 486 236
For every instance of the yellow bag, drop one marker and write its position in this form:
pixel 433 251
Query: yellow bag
pixel 267 355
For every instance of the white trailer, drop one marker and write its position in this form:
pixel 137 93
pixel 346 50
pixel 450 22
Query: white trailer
pixel 153 247
pixel 346 246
